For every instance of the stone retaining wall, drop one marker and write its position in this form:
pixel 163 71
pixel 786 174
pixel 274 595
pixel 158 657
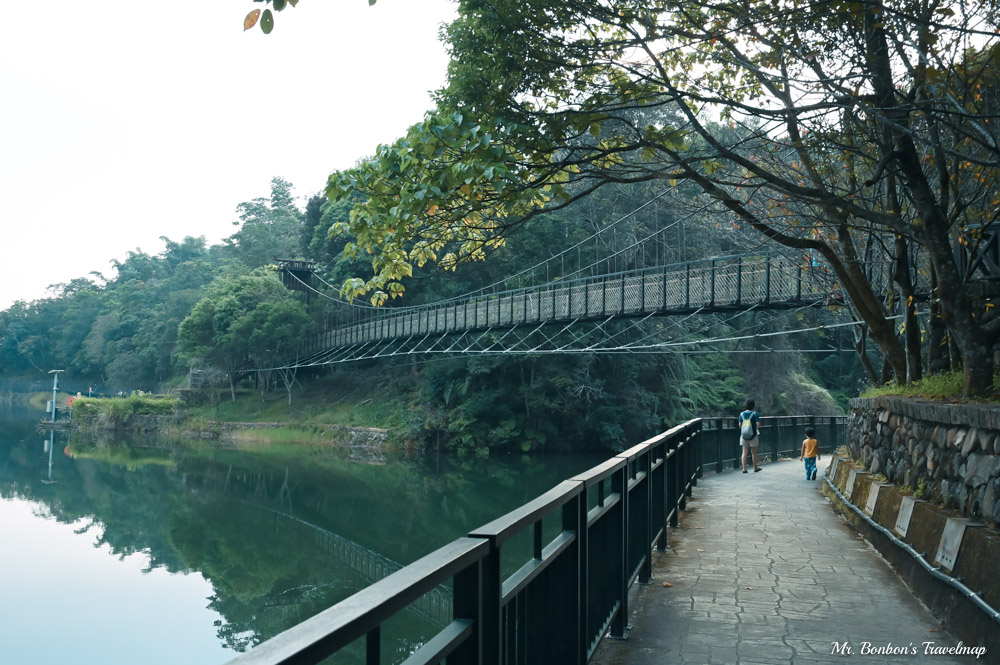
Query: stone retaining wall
pixel 946 453
pixel 960 548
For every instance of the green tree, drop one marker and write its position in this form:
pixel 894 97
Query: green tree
pixel 245 319
pixel 269 227
pixel 839 123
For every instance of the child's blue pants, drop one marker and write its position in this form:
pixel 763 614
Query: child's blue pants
pixel 810 467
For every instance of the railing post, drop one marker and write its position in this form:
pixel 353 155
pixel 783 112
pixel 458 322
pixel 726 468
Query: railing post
pixel 619 485
pixel 373 646
pixel 646 570
pixel 739 280
pixel 468 604
pixel 711 299
pixel 777 441
pixel 642 293
pixel 683 450
pixel 664 288
pixel 689 445
pixel 687 286
pixel 673 475
pixel 661 471
pixel 621 295
pixel 492 598
pixel 699 456
pixel 767 281
pixel 574 519
pixel 718 446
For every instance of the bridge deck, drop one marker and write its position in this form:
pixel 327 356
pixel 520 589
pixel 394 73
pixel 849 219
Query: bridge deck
pixel 764 572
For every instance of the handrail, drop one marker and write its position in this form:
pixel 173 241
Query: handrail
pixel 636 272
pixel 363 613
pixel 568 593
pixel 501 529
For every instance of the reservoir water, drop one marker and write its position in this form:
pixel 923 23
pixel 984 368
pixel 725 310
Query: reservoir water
pixel 152 551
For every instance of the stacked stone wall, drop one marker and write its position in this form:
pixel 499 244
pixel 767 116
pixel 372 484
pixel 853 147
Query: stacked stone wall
pixel 946 453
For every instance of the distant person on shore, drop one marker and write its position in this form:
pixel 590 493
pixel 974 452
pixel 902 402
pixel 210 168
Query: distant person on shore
pixel 810 453
pixel 749 438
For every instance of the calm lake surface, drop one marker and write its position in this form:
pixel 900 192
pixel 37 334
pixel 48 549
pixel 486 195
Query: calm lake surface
pixel 150 551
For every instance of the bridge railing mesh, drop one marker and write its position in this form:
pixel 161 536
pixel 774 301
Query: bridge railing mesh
pixel 710 285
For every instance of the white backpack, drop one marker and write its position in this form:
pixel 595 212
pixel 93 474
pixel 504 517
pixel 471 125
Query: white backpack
pixel 746 428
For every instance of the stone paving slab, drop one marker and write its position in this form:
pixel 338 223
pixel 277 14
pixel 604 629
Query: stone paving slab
pixel 763 572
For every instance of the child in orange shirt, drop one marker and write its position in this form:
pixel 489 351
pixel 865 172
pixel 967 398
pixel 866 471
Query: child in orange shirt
pixel 810 453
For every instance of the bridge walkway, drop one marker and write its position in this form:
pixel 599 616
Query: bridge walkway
pixel 763 572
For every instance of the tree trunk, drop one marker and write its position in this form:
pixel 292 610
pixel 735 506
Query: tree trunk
pixel 911 328
pixel 932 223
pixel 956 309
pixel 288 378
pixel 854 281
pixel 938 358
pixel 861 348
pixel 956 305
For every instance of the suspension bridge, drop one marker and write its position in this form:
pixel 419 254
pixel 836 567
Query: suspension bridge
pixel 535 319
pixel 609 310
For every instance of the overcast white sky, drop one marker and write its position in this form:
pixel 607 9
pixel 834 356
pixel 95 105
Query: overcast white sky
pixel 127 120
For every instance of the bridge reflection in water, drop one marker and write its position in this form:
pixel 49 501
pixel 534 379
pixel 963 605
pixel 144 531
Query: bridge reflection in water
pixel 590 539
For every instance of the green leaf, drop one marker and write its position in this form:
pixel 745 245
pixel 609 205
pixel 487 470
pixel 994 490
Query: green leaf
pixel 267 22
pixel 279 5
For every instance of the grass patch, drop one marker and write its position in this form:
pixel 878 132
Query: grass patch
pixel 348 400
pixel 941 387
pixel 114 412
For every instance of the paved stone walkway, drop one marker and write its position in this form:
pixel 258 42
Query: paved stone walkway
pixel 763 572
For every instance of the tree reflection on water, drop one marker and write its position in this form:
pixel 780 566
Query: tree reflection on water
pixel 281 533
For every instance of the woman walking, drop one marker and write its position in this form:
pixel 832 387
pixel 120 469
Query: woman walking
pixel 749 438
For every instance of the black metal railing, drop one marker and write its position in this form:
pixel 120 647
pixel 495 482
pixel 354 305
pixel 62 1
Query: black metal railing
pixel 780 436
pixel 590 538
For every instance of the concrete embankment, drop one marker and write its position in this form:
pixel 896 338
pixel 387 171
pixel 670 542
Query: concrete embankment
pixel 947 559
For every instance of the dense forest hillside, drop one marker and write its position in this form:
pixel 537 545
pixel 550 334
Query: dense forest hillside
pixel 199 314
